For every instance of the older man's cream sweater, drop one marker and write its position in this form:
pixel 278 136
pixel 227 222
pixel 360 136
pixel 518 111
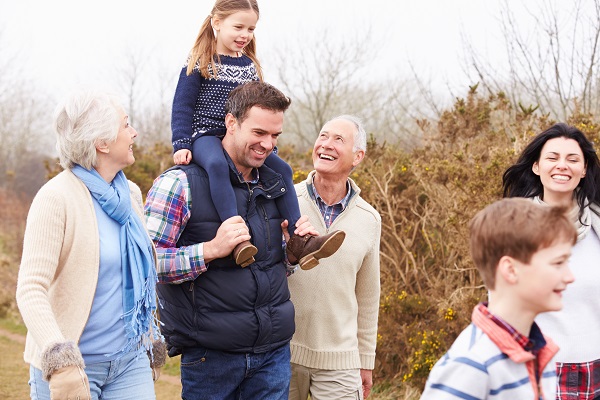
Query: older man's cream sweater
pixel 60 263
pixel 337 302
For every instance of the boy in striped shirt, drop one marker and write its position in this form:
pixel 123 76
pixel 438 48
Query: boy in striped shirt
pixel 521 250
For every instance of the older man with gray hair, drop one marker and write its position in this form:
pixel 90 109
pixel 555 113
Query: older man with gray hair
pixel 337 304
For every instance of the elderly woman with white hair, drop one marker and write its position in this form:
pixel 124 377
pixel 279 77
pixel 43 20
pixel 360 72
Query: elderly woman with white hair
pixel 86 285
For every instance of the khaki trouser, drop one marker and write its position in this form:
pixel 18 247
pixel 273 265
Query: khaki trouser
pixel 325 384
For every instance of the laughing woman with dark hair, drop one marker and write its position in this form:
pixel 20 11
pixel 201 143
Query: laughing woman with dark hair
pixel 86 285
pixel 560 167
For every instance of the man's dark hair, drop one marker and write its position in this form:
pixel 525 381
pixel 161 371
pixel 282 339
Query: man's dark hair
pixel 255 93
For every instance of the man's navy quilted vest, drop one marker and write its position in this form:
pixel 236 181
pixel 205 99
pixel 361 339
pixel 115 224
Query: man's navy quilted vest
pixel 230 308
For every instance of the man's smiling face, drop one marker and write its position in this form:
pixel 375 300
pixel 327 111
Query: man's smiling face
pixel 333 152
pixel 249 143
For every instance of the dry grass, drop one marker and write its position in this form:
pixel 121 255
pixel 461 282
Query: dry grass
pixel 14 372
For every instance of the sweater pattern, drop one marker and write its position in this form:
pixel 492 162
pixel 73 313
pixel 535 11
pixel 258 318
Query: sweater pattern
pixel 199 103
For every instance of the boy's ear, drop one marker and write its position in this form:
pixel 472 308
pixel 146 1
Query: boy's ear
pixel 507 270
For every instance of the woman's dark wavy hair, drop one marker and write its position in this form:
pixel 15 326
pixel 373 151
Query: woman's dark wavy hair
pixel 520 181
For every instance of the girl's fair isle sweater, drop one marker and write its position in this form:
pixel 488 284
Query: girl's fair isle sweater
pixel 199 103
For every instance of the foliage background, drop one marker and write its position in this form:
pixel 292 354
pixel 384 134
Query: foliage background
pixel 430 165
pixel 426 196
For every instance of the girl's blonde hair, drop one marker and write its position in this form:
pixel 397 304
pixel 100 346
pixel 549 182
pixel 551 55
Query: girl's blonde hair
pixel 205 48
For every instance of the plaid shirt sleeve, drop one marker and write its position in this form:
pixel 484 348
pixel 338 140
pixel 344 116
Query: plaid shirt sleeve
pixel 168 208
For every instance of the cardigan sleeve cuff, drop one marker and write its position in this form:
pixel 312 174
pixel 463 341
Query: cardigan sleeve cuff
pixel 60 355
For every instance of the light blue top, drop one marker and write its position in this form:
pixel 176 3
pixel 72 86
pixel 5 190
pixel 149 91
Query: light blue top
pixel 104 333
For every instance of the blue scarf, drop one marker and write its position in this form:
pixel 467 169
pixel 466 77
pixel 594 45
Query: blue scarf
pixel 137 258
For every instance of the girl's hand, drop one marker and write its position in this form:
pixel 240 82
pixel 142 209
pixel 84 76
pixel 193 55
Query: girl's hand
pixel 182 157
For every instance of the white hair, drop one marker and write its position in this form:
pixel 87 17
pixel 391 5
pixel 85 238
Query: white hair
pixel 82 121
pixel 360 136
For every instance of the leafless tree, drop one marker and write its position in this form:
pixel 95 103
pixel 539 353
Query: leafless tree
pixel 25 134
pixel 149 94
pixel 340 75
pixel 551 57
pixel 129 79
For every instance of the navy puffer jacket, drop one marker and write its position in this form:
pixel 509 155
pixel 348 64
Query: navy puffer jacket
pixel 230 308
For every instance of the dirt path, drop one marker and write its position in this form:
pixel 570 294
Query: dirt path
pixel 14 372
pixel 15 337
pixel 173 380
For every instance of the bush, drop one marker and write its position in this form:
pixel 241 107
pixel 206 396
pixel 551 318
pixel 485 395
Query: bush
pixel 426 197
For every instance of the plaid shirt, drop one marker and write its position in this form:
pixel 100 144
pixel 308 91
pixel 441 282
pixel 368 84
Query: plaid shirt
pixel 578 381
pixel 330 212
pixel 533 343
pixel 168 209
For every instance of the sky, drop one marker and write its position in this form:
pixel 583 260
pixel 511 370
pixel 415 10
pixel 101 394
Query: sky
pixel 62 45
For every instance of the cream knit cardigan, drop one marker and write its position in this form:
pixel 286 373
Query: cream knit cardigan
pixel 337 302
pixel 60 263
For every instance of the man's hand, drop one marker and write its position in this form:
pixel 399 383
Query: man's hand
pixel 367 381
pixel 232 232
pixel 303 227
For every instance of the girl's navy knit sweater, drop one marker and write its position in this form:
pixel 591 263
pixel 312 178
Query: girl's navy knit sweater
pixel 199 103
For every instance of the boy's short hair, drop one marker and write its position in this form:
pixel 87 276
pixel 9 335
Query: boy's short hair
pixel 518 228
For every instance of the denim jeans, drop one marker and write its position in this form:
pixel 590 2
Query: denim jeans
pixel 127 377
pixel 210 374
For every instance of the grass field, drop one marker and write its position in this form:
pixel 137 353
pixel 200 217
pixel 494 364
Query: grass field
pixel 14 372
